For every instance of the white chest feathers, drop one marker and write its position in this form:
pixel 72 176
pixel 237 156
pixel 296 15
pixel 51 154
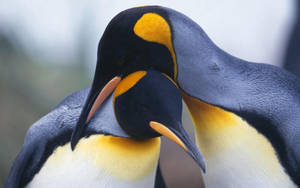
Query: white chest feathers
pixel 101 161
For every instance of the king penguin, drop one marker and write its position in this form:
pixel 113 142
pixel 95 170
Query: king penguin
pixel 246 114
pixel 120 146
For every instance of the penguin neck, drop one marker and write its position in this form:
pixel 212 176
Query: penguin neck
pixel 101 160
pixel 234 150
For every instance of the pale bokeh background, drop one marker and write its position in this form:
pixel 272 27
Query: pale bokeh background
pixel 48 49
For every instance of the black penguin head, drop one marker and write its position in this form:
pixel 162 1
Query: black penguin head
pixel 136 39
pixel 143 97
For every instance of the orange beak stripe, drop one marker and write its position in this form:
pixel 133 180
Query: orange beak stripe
pixel 163 130
pixel 105 92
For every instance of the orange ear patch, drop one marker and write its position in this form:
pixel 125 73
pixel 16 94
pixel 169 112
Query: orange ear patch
pixel 154 28
pixel 128 82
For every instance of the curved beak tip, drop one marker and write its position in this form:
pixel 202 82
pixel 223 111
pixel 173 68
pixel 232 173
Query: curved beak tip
pixel 180 136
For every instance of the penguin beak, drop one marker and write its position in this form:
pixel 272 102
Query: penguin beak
pixel 96 97
pixel 178 135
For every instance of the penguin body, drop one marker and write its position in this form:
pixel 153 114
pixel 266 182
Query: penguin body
pixel 263 97
pixel 237 155
pixel 119 146
pixel 46 159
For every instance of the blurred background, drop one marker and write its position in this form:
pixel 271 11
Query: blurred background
pixel 48 50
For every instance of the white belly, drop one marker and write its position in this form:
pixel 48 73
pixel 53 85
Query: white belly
pixel 239 168
pixel 86 167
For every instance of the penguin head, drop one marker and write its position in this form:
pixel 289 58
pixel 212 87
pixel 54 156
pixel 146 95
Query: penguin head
pixel 136 39
pixel 143 97
pixel 148 104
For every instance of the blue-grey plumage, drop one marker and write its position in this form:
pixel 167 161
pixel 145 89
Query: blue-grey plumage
pixel 54 130
pixel 265 96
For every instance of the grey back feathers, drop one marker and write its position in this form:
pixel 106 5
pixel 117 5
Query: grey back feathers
pixel 264 95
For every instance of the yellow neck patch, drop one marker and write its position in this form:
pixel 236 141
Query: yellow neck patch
pixel 124 158
pixel 202 112
pixel 154 28
pixel 211 125
pixel 128 82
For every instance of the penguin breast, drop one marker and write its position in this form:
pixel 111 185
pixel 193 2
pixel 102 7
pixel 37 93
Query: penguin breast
pixel 100 160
